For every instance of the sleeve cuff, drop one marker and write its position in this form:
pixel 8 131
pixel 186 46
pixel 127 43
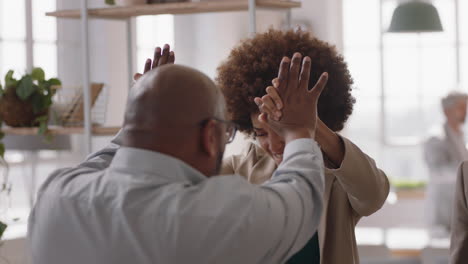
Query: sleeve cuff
pixel 301 145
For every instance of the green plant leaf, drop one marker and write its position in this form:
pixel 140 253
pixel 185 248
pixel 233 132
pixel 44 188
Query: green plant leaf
pixel 40 102
pixel 1 90
pixel 2 151
pixel 9 80
pixel 38 74
pixel 54 81
pixel 3 227
pixel 110 2
pixel 2 135
pixel 25 88
pixel 41 118
pixel 42 126
pixel 37 103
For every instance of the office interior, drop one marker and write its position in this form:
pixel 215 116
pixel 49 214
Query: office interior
pixel 399 81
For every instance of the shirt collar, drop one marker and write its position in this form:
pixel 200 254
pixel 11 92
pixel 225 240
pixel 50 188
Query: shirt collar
pixel 155 163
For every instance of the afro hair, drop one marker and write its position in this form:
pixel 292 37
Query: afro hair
pixel 254 63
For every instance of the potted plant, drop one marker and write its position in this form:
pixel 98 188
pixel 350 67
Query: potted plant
pixel 25 102
pixel 3 227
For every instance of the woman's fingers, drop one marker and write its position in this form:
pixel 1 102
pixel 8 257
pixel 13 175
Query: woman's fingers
pixel 266 106
pixel 262 107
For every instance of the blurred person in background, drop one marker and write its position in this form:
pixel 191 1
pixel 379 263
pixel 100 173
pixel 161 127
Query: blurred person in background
pixel 443 153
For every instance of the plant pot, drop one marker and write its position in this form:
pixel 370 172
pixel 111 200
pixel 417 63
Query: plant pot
pixel 17 113
pixel 130 2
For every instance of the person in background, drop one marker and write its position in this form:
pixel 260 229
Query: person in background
pixel 354 185
pixel 154 195
pixel 459 239
pixel 443 153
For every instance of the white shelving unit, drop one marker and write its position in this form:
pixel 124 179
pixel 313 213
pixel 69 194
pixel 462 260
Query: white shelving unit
pixel 128 12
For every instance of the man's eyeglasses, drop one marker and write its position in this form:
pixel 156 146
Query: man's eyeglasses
pixel 231 127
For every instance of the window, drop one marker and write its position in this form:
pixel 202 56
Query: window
pixel 12 36
pixel 397 107
pixel 45 37
pixel 16 45
pixel 26 41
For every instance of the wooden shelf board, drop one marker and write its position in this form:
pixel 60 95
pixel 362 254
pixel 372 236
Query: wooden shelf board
pixel 123 12
pixel 56 130
pixel 405 252
pixel 418 194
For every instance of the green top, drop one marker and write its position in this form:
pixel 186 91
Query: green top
pixel 309 254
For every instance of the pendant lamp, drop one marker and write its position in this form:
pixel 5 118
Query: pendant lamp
pixel 415 17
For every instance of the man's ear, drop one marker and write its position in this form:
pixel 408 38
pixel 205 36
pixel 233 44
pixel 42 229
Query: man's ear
pixel 209 138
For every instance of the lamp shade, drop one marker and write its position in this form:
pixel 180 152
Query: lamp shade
pixel 415 17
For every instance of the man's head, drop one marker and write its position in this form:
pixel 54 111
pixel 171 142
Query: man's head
pixel 252 66
pixel 454 106
pixel 176 110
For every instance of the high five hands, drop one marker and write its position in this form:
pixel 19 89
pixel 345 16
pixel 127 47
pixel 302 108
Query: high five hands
pixel 290 107
pixel 161 57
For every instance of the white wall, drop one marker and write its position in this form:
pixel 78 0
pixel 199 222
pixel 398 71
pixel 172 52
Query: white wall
pixel 325 18
pixel 108 61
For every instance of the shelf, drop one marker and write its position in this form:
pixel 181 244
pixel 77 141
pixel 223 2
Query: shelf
pixel 56 130
pixel 417 194
pixel 124 12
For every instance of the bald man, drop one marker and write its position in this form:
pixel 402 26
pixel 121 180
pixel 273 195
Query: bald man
pixel 153 195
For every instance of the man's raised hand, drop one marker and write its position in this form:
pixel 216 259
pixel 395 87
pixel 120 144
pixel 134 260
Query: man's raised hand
pixel 293 113
pixel 160 57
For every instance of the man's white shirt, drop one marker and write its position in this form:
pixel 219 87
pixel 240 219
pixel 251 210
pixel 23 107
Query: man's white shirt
pixel 127 205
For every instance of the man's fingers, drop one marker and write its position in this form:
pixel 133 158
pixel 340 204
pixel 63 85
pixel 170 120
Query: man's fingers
pixel 283 74
pixel 164 56
pixel 263 118
pixel 157 56
pixel 137 76
pixel 147 66
pixel 293 80
pixel 258 101
pixel 263 107
pixel 305 74
pixel 273 93
pixel 171 59
pixel 320 85
pixel 275 83
pixel 270 108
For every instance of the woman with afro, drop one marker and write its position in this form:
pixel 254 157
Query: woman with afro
pixel 354 186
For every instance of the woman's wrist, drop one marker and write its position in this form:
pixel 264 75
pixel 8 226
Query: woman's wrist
pixel 331 144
